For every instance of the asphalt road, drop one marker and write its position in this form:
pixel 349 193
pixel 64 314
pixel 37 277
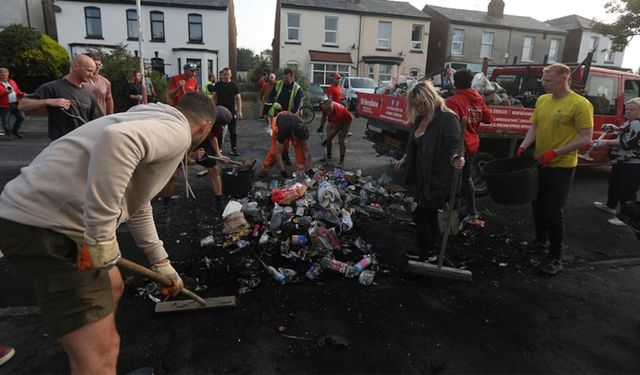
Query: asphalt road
pixel 511 319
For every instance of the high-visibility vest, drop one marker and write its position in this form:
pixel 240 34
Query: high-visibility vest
pixel 292 97
pixel 206 89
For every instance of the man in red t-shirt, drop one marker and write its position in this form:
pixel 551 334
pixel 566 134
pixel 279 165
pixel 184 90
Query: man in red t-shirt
pixel 334 92
pixel 183 83
pixel 339 123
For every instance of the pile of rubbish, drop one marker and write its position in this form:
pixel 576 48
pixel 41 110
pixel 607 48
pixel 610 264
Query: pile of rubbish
pixel 298 230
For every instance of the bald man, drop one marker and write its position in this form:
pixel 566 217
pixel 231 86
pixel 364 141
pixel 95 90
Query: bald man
pixel 69 103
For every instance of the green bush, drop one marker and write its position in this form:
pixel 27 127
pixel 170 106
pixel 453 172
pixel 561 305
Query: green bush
pixel 262 66
pixel 31 57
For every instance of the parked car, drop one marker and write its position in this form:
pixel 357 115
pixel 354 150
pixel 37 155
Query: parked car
pixel 316 95
pixel 351 86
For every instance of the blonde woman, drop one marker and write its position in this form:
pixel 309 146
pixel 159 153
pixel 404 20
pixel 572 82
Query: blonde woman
pixel 430 157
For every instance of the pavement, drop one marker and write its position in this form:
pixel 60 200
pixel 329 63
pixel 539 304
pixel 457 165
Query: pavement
pixel 511 319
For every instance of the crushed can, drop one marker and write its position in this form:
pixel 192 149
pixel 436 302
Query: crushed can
pixel 298 240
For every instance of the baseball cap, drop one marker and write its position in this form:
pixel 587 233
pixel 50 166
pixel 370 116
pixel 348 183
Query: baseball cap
pixel 190 66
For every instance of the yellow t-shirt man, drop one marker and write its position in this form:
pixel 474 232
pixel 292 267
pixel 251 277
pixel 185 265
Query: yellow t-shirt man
pixel 558 121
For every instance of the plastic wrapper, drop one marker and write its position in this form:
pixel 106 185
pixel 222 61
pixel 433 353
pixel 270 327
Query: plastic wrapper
pixel 328 195
pixel 288 195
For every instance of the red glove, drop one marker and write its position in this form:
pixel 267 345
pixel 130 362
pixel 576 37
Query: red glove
pixel 547 158
pixel 519 152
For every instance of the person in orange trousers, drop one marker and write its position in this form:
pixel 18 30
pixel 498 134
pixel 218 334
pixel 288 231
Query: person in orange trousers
pixel 287 129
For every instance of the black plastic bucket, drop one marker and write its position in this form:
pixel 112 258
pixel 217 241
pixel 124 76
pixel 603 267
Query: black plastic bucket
pixel 512 181
pixel 236 184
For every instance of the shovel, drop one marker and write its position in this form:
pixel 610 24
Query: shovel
pixel 586 156
pixel 197 303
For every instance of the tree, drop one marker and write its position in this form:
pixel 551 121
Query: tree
pixel 32 57
pixel 246 59
pixel 625 27
pixel 260 67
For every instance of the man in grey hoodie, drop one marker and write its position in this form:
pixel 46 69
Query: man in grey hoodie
pixel 58 218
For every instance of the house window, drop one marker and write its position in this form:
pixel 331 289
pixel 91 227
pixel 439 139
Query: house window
pixel 608 56
pixel 384 72
pixel 372 71
pixel 384 35
pixel 595 41
pixel 293 27
pixel 93 22
pixel 195 28
pixel 132 24
pixel 416 37
pixel 414 72
pixel 553 50
pixel 157 26
pixel 331 30
pixel 457 42
pixel 323 73
pixel 527 49
pixel 486 48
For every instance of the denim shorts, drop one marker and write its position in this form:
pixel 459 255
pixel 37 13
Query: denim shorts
pixel 69 298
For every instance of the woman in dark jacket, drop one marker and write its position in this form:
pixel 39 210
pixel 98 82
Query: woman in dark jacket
pixel 134 89
pixel 429 161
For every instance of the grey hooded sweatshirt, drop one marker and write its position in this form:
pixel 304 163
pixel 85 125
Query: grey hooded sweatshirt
pixel 102 174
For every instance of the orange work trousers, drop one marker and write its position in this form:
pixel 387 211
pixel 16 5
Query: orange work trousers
pixel 270 159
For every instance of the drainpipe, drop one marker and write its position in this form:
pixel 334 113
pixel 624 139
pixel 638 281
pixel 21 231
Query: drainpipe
pixel 358 47
pixel 144 86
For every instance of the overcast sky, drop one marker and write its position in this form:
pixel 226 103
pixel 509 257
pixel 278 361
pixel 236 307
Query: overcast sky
pixel 255 18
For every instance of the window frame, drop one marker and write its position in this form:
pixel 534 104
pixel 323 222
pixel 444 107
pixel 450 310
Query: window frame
pixel 557 49
pixel 136 28
pixel 380 39
pixel 382 72
pixel 296 28
pixel 322 68
pixel 484 45
pixel 335 43
pixel 152 22
pixel 455 52
pixel 87 18
pixel 420 39
pixel 190 23
pixel 529 58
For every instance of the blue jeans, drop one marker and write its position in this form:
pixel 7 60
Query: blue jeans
pixel 5 114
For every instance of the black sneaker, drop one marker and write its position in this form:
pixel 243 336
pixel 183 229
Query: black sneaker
pixel 551 266
pixel 535 247
pixel 234 152
pixel 18 135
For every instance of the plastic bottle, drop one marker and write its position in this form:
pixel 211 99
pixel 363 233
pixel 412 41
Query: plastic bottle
pixel 337 266
pixel 314 271
pixel 366 277
pixel 362 264
pixel 277 276
pixel 288 273
pixel 263 238
pixel 298 240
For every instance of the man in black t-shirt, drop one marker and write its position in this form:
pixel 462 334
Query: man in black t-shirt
pixel 68 102
pixel 227 94
pixel 287 129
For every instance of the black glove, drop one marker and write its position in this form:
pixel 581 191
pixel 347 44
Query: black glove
pixel 320 129
pixel 309 172
pixel 206 161
pixel 9 88
pixel 284 174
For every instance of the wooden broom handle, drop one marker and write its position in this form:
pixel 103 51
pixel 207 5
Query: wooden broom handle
pixel 151 275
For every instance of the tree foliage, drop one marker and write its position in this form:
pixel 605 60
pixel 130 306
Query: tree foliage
pixel 261 66
pixel 31 57
pixel 246 59
pixel 625 27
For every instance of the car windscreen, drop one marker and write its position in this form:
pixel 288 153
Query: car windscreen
pixel 363 83
pixel 316 89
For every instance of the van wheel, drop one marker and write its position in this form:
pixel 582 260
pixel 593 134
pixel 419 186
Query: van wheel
pixel 480 184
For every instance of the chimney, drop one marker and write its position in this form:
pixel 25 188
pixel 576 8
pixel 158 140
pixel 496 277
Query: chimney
pixel 496 9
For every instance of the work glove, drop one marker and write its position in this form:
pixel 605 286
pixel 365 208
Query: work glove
pixel 457 161
pixel 519 152
pixel 284 174
pixel 206 161
pixel 547 158
pixel 310 172
pixel 167 270
pixel 94 254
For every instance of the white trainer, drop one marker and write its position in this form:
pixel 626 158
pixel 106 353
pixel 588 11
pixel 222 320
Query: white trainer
pixel 616 221
pixel 604 207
